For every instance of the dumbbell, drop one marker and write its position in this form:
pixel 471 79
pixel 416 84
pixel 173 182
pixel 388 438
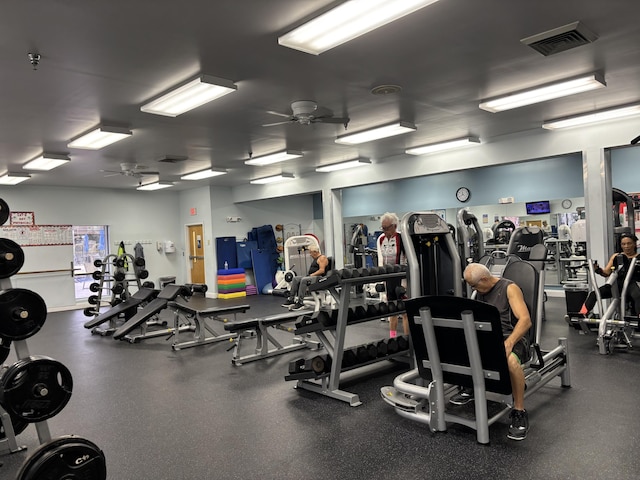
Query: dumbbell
pixel 362 353
pixel 360 312
pixel 383 308
pixel 397 268
pixel 373 271
pixel 320 364
pixel 389 268
pixel 392 346
pixel 403 343
pixel 119 276
pixel 400 305
pixel 93 299
pixel 119 262
pixel 380 287
pixel 139 262
pixel 344 273
pixel 372 311
pixel 90 312
pixel 363 272
pixel 349 358
pixel 143 274
pixel 351 315
pixel 392 307
pixel 97 263
pixel 373 350
pixel 97 275
pixel 382 348
pixel 148 284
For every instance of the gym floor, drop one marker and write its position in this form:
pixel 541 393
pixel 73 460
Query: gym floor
pixel 159 414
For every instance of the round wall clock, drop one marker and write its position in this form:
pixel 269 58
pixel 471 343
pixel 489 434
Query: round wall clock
pixel 463 194
pixel 566 203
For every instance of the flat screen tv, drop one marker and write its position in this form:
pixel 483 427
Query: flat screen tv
pixel 535 208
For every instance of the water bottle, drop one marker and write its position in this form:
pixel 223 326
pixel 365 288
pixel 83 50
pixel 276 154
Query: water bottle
pixel 226 265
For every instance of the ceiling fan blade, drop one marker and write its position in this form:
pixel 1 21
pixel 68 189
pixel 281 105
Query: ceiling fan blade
pixel 278 123
pixel 147 173
pixel 115 174
pixel 278 114
pixel 339 120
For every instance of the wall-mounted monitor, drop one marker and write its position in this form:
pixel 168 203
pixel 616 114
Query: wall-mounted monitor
pixel 536 208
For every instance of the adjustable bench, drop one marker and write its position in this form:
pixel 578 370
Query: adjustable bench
pixel 203 332
pixel 263 337
pixel 459 342
pixel 168 293
pixel 141 296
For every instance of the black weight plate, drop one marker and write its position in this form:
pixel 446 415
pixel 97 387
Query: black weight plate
pixel 67 457
pixel 97 275
pixel 318 365
pixel 97 263
pixel 120 262
pixel 22 313
pixel 93 299
pixel 148 284
pixel 139 261
pixel 94 287
pixel 143 274
pixel 5 348
pixel 89 312
pixel 11 258
pixel 4 212
pixel 35 388
pixel 18 425
pixel 118 288
pixel 119 276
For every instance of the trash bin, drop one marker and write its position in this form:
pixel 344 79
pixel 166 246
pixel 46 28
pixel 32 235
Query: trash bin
pixel 575 294
pixel 164 281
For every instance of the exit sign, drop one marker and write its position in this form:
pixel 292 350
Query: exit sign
pixel 193 211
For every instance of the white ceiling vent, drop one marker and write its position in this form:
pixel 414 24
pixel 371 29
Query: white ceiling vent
pixel 560 39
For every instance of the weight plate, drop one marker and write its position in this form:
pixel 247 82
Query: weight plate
pixel 94 287
pixel 143 274
pixel 68 457
pixel 139 261
pixel 97 263
pixel 93 299
pixel 89 312
pixel 22 313
pixel 119 276
pixel 5 348
pixel 4 212
pixel 35 388
pixel 120 262
pixel 97 275
pixel 117 289
pixel 11 258
pixel 18 425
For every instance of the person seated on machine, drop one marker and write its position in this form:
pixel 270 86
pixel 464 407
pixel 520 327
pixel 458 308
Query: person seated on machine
pixel 300 285
pixel 507 297
pixel 619 262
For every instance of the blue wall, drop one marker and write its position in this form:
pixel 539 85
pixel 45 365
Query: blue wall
pixel 546 179
pixel 625 169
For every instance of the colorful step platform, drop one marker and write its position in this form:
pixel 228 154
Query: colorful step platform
pixel 231 283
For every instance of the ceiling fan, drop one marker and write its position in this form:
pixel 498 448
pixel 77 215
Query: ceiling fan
pixel 130 170
pixel 306 112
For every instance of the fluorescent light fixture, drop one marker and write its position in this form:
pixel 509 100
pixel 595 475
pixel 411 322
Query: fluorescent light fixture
pixel 155 186
pixel 347 21
pixel 190 95
pixel 274 179
pixel 359 162
pixel 100 137
pixel 544 93
pixel 203 174
pixel 595 117
pixel 448 145
pixel 13 178
pixel 274 158
pixel 46 161
pixel 376 133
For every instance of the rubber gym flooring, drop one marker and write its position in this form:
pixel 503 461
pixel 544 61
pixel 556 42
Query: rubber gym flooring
pixel 159 414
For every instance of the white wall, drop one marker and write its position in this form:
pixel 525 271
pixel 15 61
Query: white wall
pixel 130 215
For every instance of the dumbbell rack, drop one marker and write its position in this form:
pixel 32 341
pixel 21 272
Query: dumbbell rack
pixel 329 384
pixel 113 270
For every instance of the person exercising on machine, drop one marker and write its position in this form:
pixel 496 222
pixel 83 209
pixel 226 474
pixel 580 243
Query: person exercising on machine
pixel 299 285
pixel 621 262
pixel 507 297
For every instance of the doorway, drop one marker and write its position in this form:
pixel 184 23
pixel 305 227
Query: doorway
pixel 196 253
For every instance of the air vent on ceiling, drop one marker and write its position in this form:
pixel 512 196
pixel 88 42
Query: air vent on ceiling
pixel 172 159
pixel 560 39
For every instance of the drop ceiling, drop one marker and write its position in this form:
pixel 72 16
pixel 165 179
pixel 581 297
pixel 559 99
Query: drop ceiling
pixel 100 61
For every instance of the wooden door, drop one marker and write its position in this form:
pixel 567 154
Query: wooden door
pixel 196 253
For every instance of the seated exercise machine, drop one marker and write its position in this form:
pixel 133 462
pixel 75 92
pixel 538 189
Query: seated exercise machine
pixel 296 261
pixel 128 308
pixel 143 318
pixel 459 342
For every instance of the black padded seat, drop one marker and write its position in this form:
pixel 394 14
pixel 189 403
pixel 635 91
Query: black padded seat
pixel 451 343
pixel 142 295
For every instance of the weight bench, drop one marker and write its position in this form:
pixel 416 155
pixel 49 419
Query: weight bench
pixel 168 294
pixel 204 332
pixel 459 342
pixel 141 296
pixel 263 337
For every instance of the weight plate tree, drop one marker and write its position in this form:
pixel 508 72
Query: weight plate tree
pixel 35 388
pixel 68 457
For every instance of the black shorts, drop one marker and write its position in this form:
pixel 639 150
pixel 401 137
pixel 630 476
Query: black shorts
pixel 391 286
pixel 521 349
